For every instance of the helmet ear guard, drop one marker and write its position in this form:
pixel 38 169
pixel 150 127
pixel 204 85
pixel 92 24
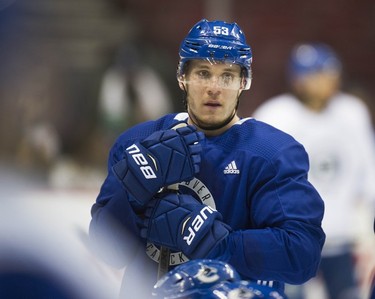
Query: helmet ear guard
pixel 246 79
pixel 216 42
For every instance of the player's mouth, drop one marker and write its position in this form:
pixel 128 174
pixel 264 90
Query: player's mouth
pixel 212 104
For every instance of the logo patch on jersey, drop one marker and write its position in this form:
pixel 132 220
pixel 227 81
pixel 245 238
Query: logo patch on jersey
pixel 231 168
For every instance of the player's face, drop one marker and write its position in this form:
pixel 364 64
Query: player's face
pixel 212 94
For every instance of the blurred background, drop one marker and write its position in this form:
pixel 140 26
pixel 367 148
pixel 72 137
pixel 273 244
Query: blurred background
pixel 54 56
pixel 64 65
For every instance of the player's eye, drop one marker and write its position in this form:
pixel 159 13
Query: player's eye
pixel 227 78
pixel 203 74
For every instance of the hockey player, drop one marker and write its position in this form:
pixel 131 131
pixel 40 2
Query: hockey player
pixel 244 197
pixel 336 130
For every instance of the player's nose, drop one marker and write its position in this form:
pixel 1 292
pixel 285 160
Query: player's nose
pixel 214 87
pixel 214 92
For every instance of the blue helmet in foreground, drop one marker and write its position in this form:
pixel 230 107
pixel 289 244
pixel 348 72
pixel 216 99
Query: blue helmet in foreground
pixel 312 58
pixel 216 41
pixel 193 279
pixel 243 290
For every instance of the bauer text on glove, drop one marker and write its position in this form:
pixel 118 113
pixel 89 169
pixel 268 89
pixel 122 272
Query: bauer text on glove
pixel 180 222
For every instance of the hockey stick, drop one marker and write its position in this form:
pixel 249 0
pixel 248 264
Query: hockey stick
pixel 164 254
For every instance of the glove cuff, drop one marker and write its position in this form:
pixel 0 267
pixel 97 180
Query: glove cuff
pixel 210 243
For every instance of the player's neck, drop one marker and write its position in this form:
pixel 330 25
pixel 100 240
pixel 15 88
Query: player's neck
pixel 216 131
pixel 315 105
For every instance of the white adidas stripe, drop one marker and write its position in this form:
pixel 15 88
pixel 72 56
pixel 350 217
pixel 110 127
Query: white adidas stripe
pixel 231 168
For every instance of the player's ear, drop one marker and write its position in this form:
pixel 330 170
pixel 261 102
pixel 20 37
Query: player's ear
pixel 182 86
pixel 181 82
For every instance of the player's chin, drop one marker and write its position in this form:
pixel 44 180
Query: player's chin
pixel 210 123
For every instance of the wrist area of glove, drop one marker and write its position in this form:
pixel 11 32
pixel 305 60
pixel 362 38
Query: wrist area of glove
pixel 202 233
pixel 225 249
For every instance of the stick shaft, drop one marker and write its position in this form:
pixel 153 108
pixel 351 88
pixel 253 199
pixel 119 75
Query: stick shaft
pixel 163 267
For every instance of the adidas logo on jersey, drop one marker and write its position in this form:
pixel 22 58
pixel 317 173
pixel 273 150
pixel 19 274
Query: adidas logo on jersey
pixel 231 168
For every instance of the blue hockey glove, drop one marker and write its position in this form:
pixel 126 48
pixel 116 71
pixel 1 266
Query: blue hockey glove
pixel 165 157
pixel 180 222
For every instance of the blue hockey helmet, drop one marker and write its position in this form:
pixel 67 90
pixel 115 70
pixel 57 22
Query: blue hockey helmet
pixel 243 290
pixel 312 58
pixel 193 279
pixel 216 41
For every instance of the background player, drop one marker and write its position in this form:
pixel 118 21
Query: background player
pixel 244 195
pixel 336 129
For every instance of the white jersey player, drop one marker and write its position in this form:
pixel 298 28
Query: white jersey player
pixel 337 132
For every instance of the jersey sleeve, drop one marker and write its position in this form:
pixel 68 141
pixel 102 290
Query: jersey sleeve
pixel 115 216
pixel 286 238
pixel 114 226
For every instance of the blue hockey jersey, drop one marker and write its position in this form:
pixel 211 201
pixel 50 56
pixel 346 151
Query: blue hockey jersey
pixel 255 176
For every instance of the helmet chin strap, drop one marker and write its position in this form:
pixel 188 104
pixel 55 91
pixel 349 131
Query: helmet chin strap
pixel 208 128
